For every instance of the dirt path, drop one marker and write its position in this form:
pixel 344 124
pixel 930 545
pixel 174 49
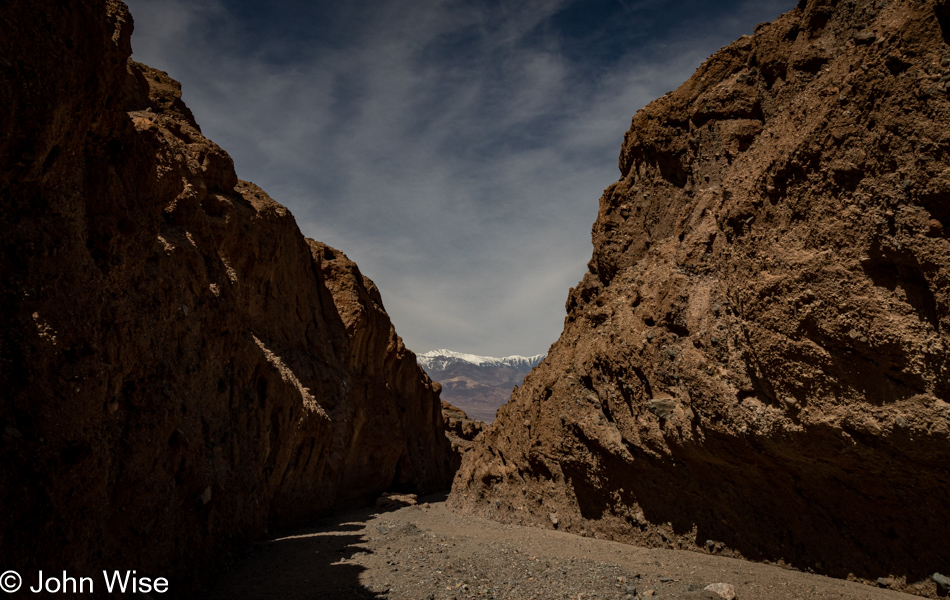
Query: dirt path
pixel 428 552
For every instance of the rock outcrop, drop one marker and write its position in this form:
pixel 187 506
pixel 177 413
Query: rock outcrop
pixel 460 429
pixel 757 361
pixel 181 369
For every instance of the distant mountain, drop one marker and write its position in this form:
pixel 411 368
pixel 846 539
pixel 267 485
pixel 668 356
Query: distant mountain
pixel 446 359
pixel 477 384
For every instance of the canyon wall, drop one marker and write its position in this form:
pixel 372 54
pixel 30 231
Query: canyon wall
pixel 756 363
pixel 181 369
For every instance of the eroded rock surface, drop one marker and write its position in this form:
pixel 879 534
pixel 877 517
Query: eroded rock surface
pixel 181 369
pixel 756 363
pixel 460 429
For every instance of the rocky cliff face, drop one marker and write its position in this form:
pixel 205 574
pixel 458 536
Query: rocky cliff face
pixel 757 361
pixel 397 432
pixel 180 368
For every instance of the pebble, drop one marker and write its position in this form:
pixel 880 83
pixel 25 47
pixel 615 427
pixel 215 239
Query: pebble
pixel 943 582
pixel 724 590
pixel 865 37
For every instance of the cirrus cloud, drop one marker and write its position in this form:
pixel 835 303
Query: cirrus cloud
pixel 455 149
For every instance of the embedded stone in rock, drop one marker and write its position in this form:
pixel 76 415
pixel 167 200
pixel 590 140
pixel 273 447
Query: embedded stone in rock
pixel 662 407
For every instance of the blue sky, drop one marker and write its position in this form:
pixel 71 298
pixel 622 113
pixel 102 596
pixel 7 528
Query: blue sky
pixel 455 149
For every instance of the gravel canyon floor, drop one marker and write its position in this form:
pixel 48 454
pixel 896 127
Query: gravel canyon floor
pixel 429 552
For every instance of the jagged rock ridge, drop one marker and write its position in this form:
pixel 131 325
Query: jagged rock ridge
pixel 756 363
pixel 181 368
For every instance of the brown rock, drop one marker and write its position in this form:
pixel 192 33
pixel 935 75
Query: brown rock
pixel 393 408
pixel 723 590
pixel 180 368
pixel 460 430
pixel 759 350
pixel 395 500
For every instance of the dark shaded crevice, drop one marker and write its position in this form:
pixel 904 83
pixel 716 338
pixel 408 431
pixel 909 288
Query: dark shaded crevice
pixel 900 273
pixel 942 12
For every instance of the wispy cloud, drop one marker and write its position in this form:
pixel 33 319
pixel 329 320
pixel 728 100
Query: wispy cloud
pixel 454 149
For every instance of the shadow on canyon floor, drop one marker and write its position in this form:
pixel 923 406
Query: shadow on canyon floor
pixel 430 551
pixel 314 562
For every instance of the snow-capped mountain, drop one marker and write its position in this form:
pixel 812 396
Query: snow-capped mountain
pixel 477 384
pixel 441 359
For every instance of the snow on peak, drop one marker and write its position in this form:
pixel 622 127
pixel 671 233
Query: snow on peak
pixel 440 358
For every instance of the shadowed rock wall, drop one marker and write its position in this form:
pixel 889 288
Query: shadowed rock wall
pixel 180 369
pixel 756 363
